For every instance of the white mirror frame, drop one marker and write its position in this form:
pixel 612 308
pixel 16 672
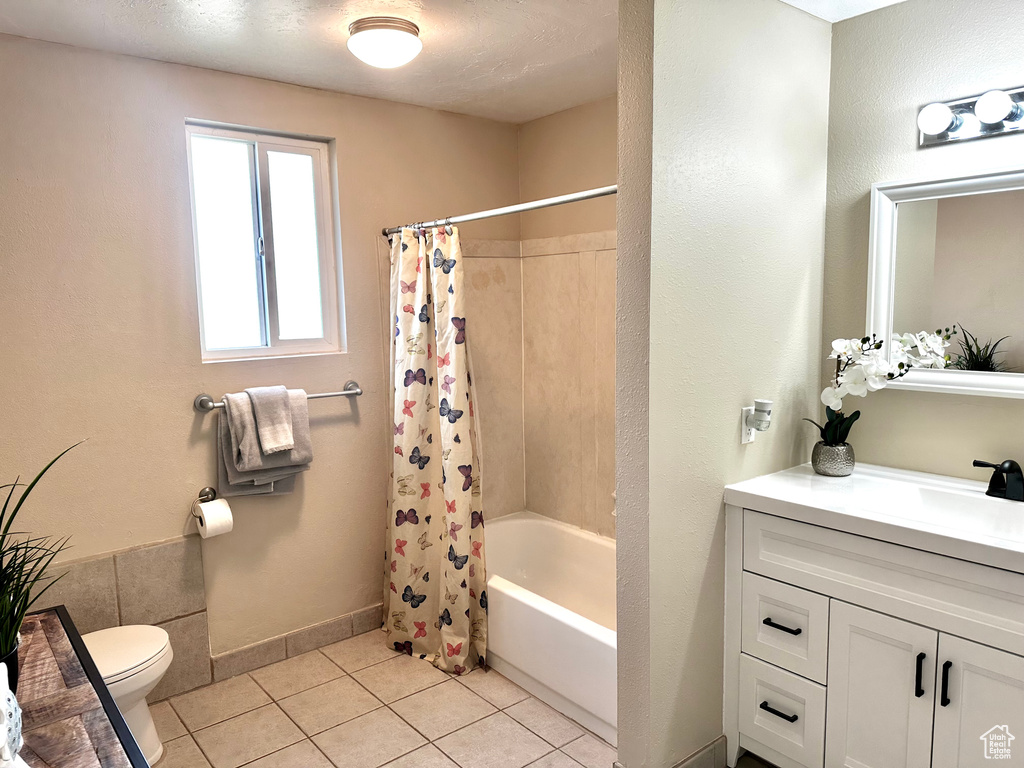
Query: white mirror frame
pixel 882 284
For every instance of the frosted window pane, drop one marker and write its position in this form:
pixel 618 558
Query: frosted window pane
pixel 296 249
pixel 226 241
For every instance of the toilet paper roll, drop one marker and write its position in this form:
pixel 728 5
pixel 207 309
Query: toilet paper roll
pixel 214 518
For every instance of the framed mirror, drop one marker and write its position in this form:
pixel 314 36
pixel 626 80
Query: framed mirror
pixel 951 252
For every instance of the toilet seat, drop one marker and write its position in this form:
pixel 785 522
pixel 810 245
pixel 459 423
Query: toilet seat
pixel 122 652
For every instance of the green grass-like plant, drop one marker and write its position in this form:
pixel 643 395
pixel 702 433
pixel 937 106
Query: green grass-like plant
pixel 24 561
pixel 837 427
pixel 975 356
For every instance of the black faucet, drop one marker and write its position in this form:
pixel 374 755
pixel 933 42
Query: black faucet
pixel 1007 480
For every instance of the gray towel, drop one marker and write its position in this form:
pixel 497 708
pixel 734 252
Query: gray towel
pixel 243 487
pixel 273 415
pixel 243 470
pixel 245 443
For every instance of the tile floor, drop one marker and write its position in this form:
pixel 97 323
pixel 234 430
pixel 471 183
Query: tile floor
pixel 356 704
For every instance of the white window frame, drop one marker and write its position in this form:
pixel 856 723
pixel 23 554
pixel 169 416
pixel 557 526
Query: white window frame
pixel 263 256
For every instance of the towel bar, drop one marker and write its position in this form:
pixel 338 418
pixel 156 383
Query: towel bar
pixel 204 403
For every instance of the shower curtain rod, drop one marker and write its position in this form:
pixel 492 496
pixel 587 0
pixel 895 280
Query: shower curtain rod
pixel 545 203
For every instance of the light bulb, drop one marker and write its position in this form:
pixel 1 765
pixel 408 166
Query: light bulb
pixel 996 107
pixel 936 119
pixel 384 41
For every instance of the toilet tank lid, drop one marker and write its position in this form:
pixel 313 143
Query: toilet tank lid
pixel 119 650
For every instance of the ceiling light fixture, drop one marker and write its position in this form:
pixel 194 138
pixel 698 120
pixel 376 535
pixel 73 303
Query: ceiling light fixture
pixel 384 41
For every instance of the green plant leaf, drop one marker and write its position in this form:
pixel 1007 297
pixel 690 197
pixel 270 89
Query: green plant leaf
pixel 24 562
pixel 832 431
pixel 844 430
pixel 821 429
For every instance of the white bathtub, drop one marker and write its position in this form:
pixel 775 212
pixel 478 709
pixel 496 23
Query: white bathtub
pixel 551 609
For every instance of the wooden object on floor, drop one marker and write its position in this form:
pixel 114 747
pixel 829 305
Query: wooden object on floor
pixel 69 718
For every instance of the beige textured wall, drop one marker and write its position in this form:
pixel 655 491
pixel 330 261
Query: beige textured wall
pixel 100 335
pixel 632 331
pixel 885 66
pixel 736 267
pixel 568 152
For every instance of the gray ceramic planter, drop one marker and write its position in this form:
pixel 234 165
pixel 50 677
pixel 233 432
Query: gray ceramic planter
pixel 833 460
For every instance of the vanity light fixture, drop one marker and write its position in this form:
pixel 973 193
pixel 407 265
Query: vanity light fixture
pixel 994 113
pixel 384 41
pixel 936 119
pixel 996 107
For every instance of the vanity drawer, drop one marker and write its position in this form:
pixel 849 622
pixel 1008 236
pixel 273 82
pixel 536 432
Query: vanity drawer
pixel 786 626
pixel 784 712
pixel 962 598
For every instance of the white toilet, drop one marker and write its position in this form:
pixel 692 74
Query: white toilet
pixel 132 660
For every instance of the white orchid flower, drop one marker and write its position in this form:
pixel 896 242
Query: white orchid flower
pixel 876 372
pixel 855 381
pixel 831 398
pixel 841 348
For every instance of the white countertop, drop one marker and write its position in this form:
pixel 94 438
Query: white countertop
pixel 931 512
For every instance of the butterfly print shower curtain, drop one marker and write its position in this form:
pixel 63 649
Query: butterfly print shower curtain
pixel 435 578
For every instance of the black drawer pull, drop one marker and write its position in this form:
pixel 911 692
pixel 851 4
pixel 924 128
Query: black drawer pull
pixel 768 622
pixel 945 683
pixel 918 689
pixel 771 710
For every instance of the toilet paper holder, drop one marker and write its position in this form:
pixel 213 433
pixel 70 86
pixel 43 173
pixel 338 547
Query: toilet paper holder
pixel 207 494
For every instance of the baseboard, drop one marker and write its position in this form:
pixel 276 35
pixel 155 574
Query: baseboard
pixel 711 756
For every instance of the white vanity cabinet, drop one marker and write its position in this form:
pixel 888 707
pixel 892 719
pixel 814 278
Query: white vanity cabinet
pixel 874 621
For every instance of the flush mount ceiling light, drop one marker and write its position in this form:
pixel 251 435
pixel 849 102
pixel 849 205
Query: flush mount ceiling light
pixel 384 41
pixel 994 113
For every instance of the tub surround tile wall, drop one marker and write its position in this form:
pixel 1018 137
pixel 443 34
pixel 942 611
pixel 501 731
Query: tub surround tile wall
pixel 569 374
pixel 494 312
pixel 588 241
pixel 544 362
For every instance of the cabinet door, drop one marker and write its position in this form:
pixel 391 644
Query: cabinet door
pixel 881 674
pixel 979 707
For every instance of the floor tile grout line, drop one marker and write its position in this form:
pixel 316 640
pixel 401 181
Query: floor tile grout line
pixel 202 751
pixel 389 707
pixel 430 740
pixel 262 706
pixel 282 749
pixel 239 714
